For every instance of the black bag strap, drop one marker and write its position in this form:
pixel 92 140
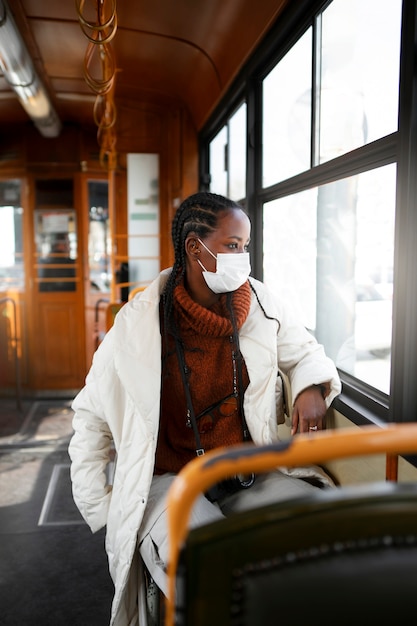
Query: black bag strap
pixel 190 409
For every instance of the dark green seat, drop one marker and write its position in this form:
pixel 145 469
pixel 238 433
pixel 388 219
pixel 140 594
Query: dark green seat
pixel 340 556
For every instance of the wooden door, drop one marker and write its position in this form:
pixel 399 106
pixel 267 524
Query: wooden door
pixel 105 252
pixel 57 322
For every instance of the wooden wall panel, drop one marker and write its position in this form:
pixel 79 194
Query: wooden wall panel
pixel 60 339
pixel 59 343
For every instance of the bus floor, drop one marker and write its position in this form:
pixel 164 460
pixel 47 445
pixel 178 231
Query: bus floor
pixel 53 570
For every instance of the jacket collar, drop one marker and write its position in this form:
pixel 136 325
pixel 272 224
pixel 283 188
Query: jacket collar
pixel 137 349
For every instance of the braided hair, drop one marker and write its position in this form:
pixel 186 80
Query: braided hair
pixel 198 214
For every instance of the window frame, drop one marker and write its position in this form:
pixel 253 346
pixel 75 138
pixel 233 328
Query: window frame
pixel 358 401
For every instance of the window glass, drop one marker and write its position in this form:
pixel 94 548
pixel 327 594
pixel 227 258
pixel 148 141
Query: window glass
pixel 12 274
pixel 56 245
pixel 237 154
pixel 218 172
pixel 287 114
pixel 99 236
pixel 329 252
pixel 359 74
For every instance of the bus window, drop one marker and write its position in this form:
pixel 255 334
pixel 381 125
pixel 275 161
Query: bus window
pixel 12 275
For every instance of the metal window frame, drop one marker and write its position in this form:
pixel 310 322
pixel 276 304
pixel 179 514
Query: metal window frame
pixel 359 402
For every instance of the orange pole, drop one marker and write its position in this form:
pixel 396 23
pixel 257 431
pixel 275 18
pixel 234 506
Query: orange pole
pixel 203 472
pixel 391 471
pixel 112 218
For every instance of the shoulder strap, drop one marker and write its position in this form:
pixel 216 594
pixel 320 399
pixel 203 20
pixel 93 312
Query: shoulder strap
pixel 190 408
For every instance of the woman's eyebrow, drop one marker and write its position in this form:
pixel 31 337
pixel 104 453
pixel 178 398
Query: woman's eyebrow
pixel 238 238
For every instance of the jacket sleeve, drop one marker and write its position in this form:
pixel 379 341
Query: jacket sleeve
pixel 303 359
pixel 91 443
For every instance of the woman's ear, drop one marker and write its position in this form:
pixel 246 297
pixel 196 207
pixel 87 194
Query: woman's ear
pixel 192 246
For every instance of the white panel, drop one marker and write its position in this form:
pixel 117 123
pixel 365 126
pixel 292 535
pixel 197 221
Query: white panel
pixel 143 217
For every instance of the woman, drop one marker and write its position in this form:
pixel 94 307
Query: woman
pixel 191 363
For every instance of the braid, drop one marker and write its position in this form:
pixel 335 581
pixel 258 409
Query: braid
pixel 198 213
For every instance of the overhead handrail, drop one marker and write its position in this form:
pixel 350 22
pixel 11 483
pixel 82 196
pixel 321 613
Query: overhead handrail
pixel 14 342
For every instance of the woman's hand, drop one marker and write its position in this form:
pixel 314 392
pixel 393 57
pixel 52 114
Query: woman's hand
pixel 309 411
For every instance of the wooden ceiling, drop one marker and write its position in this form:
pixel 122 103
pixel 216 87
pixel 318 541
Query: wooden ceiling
pixel 183 51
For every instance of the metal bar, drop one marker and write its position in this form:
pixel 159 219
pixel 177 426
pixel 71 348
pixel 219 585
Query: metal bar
pixel 14 341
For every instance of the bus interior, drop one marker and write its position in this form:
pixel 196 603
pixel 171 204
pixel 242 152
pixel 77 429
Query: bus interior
pixel 111 114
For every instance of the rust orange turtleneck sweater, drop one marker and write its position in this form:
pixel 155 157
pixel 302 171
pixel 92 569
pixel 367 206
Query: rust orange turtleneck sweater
pixel 208 354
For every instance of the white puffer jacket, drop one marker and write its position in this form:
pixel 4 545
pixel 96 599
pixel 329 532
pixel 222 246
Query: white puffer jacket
pixel 120 404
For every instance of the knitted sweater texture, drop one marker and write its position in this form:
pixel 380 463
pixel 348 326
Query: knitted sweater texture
pixel 208 345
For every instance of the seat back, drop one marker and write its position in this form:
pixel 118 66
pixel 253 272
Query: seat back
pixel 111 311
pixel 136 290
pixel 325 558
pixel 338 557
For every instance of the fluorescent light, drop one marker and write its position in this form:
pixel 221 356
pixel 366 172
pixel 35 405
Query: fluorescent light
pixel 20 73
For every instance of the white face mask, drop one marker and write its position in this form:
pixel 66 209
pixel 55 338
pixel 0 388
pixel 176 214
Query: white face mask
pixel 232 270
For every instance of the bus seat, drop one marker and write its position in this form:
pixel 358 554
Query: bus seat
pixel 338 556
pixel 111 311
pixel 136 290
pixel 114 307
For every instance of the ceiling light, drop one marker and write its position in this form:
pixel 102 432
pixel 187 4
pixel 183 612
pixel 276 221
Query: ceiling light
pixel 20 73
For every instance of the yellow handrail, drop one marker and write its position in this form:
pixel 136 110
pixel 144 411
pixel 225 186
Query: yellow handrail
pixel 203 472
pixel 14 340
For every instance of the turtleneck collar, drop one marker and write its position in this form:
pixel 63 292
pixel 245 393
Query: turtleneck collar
pixel 196 319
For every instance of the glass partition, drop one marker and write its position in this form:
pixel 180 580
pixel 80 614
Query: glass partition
pixel 237 154
pixel 56 246
pixel 286 132
pixel 330 252
pixel 228 157
pixel 99 236
pixel 358 74
pixel 12 274
pixel 218 165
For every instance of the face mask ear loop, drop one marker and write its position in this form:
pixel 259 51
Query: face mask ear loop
pixel 201 265
pixel 208 249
